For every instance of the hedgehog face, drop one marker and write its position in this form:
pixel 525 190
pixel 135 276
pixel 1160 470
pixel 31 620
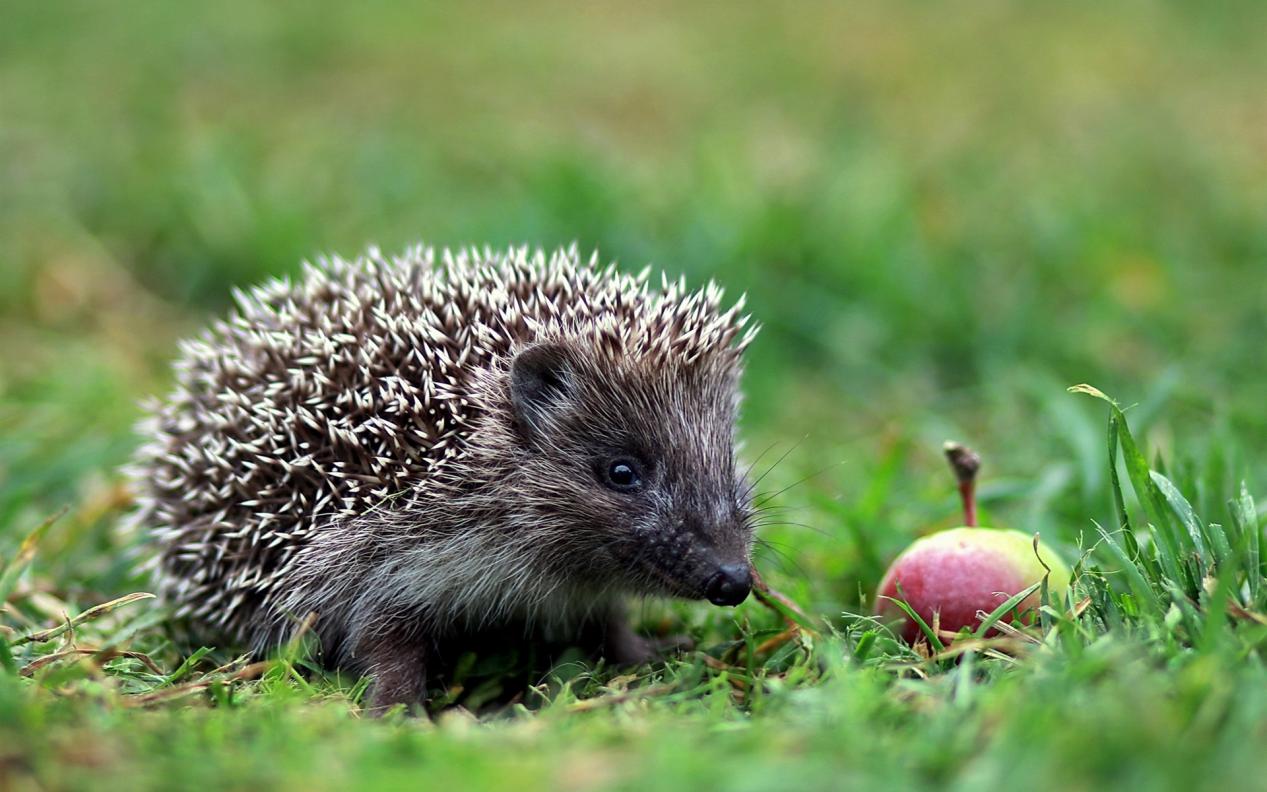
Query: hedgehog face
pixel 640 468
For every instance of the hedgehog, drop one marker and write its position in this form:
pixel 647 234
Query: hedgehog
pixel 412 450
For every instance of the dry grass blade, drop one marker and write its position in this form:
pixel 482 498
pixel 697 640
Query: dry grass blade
pixel 100 656
pixel 252 671
pixel 772 643
pixel 619 698
pixel 94 612
pixel 1010 645
pixel 780 604
pixel 1012 631
pixel 1247 615
pixel 1079 608
pixel 295 643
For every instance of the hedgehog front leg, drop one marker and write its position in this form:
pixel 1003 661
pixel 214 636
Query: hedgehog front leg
pixel 397 666
pixel 622 646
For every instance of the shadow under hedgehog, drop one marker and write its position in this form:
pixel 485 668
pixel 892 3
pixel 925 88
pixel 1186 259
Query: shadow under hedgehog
pixel 421 448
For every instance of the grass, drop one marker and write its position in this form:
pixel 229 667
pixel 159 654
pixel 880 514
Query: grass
pixel 943 218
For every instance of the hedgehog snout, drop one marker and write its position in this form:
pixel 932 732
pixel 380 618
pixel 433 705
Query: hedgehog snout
pixel 730 585
pixel 699 562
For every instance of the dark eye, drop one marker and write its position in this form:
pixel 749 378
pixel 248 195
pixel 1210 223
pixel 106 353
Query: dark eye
pixel 623 475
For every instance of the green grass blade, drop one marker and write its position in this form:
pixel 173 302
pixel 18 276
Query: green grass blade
pixel 1119 502
pixel 933 640
pixel 7 662
pixel 26 552
pixel 1173 546
pixel 1169 546
pixel 866 642
pixel 1245 515
pixel 1224 551
pixel 187 665
pixel 1189 616
pixel 1197 533
pixel 1004 609
pixel 1135 580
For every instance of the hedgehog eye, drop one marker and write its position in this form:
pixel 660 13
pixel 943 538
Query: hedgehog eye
pixel 623 475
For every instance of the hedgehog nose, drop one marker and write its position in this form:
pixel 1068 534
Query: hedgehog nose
pixel 730 586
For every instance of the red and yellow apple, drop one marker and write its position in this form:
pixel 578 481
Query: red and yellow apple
pixel 950 576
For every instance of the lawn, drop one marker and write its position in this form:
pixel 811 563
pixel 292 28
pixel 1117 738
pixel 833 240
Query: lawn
pixel 943 219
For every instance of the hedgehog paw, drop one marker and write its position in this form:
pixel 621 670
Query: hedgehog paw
pixel 623 646
pixel 398 676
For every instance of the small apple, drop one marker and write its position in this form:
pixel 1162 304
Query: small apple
pixel 958 572
pixel 950 576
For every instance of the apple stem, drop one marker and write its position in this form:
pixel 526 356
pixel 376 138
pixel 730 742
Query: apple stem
pixel 965 462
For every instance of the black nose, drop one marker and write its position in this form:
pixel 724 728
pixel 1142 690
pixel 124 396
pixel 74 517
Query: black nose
pixel 730 586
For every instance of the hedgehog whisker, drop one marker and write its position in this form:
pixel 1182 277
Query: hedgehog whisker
pixel 781 523
pixel 783 558
pixel 748 470
pixel 766 498
pixel 753 485
pixel 767 509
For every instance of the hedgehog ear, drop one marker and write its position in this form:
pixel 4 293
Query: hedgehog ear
pixel 541 382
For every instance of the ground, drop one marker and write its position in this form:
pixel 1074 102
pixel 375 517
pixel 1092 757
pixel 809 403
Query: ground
pixel 943 217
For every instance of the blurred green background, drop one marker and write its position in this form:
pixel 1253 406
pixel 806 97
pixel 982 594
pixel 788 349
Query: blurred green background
pixel 942 215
